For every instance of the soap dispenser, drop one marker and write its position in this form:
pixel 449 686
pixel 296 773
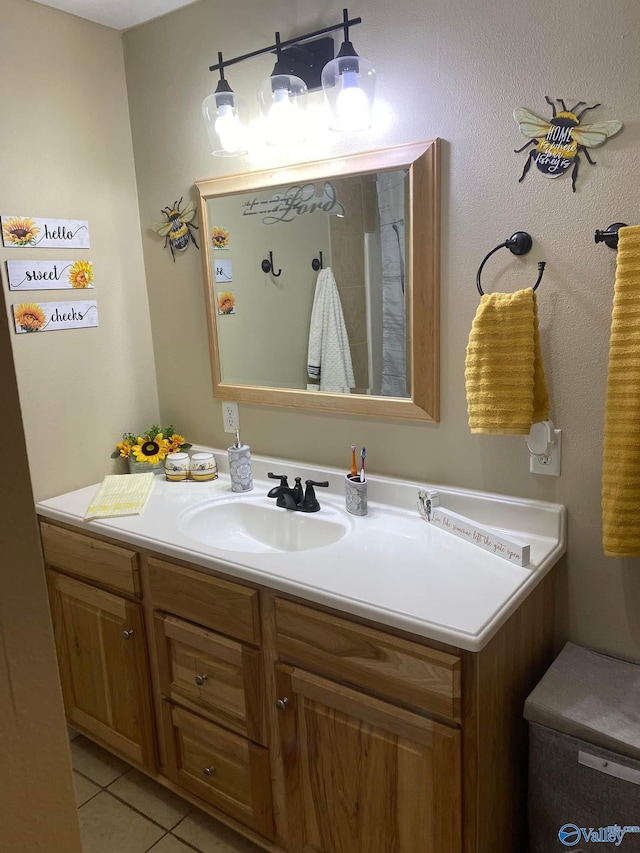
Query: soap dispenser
pixel 240 466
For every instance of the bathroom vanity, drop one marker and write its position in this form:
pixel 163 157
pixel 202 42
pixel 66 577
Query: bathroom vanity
pixel 359 694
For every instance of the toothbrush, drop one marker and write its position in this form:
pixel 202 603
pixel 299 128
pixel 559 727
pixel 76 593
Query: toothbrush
pixel 354 470
pixel 362 456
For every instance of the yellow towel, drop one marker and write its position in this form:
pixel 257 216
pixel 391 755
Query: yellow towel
pixel 121 494
pixel 506 385
pixel 621 464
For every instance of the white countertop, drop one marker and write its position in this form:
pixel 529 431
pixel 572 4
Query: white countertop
pixel 391 567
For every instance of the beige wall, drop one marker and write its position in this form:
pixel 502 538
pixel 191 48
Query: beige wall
pixel 452 69
pixel 66 152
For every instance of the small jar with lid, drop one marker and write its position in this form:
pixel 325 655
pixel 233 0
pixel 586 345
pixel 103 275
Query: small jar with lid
pixel 203 466
pixel 176 466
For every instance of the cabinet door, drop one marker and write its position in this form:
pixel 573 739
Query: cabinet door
pixel 363 776
pixel 103 666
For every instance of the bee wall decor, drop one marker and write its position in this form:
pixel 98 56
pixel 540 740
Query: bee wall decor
pixel 176 230
pixel 559 140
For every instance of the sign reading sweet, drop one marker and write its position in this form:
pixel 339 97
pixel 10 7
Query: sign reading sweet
pixel 49 275
pixel 48 316
pixel 24 232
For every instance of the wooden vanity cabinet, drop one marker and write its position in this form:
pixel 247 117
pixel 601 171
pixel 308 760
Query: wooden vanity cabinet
pixel 94 591
pixel 303 729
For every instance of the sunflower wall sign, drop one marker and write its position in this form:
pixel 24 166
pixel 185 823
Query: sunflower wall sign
pixel 50 275
pixel 26 232
pixel 49 316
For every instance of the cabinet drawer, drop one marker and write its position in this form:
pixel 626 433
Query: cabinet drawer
pixel 389 666
pixel 227 771
pixel 211 674
pixel 109 565
pixel 221 605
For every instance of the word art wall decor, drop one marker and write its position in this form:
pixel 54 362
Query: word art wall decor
pixel 23 232
pixel 49 275
pixel 48 316
pixel 561 139
pixel 285 206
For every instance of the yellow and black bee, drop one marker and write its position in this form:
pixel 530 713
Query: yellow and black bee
pixel 176 229
pixel 559 140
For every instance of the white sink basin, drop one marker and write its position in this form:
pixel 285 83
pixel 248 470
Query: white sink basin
pixel 253 526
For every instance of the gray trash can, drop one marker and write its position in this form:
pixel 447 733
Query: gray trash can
pixel 584 755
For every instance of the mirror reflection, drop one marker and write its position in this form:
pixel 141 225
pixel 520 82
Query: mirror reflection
pixel 321 283
pixel 314 272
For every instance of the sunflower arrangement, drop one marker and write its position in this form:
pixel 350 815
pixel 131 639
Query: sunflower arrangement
pixel 152 446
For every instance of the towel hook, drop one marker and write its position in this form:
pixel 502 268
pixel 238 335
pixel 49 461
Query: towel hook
pixel 316 263
pixel 518 244
pixel 610 235
pixel 267 266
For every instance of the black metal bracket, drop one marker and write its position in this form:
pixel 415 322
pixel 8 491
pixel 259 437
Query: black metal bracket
pixel 316 263
pixel 267 266
pixel 305 61
pixel 519 243
pixel 609 235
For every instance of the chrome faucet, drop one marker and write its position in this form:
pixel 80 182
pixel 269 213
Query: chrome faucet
pixel 294 498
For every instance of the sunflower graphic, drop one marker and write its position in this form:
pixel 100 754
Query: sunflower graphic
pixel 19 231
pixel 219 237
pixel 29 316
pixel 81 274
pixel 226 303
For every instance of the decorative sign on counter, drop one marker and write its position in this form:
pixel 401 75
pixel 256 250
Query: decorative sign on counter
pixel 49 275
pixel 27 232
pixel 466 528
pixel 45 316
pixel 223 270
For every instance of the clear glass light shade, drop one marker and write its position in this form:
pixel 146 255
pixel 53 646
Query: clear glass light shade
pixel 225 132
pixel 283 103
pixel 349 85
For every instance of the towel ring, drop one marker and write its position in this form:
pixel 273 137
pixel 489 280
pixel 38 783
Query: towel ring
pixel 518 244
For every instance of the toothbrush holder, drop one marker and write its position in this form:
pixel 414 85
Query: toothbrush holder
pixel 355 493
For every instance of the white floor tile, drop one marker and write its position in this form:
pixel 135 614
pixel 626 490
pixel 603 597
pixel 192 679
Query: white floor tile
pixel 84 789
pixel 154 801
pixel 209 836
pixel 108 826
pixel 96 763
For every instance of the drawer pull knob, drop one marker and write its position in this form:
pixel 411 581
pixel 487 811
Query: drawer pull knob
pixel 126 635
pixel 281 704
pixel 209 771
pixel 200 679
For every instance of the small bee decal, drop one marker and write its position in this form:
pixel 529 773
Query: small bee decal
pixel 176 230
pixel 559 140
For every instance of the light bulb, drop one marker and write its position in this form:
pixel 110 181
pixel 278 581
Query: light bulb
pixel 284 120
pixel 227 126
pixel 352 105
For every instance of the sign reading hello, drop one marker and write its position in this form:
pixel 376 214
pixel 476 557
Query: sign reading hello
pixel 23 232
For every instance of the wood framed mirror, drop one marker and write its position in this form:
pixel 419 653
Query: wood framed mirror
pixel 335 262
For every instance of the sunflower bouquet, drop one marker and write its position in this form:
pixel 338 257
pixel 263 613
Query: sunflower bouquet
pixel 152 446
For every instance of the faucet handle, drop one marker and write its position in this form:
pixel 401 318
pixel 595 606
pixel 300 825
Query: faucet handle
pixel 276 491
pixel 282 477
pixel 310 502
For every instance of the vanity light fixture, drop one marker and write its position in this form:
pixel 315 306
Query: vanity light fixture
pixel 222 120
pixel 303 64
pixel 283 101
pixel 348 82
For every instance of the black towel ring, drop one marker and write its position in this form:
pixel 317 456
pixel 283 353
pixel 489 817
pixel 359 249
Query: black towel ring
pixel 518 244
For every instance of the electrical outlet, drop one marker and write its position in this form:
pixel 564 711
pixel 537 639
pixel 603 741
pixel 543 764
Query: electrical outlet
pixel 230 417
pixel 548 464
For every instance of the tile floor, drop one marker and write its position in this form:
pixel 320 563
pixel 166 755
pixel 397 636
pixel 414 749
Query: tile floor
pixel 122 811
